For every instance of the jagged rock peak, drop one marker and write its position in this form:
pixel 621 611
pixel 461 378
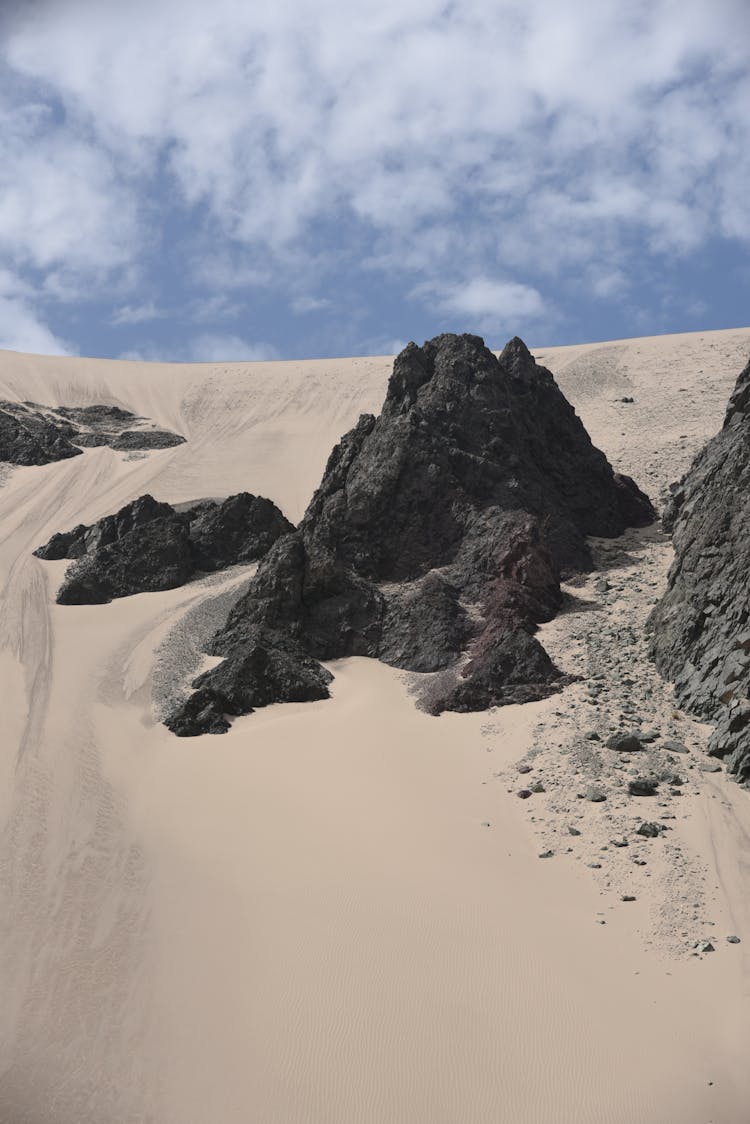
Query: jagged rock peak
pixel 739 401
pixel 435 540
pixel 455 364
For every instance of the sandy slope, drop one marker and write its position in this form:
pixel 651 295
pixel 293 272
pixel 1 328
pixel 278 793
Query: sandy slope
pixel 337 913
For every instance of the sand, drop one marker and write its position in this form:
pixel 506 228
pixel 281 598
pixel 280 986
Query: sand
pixel 337 912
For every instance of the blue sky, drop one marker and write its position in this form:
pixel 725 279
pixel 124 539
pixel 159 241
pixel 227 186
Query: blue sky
pixel 183 180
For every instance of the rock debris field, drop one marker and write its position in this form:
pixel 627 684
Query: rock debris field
pixel 608 733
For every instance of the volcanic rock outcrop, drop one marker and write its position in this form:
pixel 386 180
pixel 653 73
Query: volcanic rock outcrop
pixel 701 626
pixel 31 434
pixel 149 546
pixel 435 542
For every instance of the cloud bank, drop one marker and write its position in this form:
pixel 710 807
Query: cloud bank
pixel 493 164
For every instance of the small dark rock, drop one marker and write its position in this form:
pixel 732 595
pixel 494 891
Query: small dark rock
pixel 650 830
pixel 624 743
pixel 642 786
pixel 524 793
pixel 146 439
pixel 672 746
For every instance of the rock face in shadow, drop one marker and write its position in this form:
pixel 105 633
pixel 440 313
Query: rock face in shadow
pixel 151 546
pixel 28 438
pixel 31 434
pixel 701 626
pixel 435 541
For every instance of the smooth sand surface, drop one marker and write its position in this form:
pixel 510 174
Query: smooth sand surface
pixel 336 913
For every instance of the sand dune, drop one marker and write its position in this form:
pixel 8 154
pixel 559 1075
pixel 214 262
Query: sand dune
pixel 307 921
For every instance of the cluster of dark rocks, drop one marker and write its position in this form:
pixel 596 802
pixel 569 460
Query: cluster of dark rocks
pixel 700 629
pixel 435 542
pixel 149 546
pixel 31 434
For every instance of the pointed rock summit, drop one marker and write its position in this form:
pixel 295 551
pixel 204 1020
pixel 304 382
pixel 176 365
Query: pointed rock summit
pixel 701 626
pixel 435 542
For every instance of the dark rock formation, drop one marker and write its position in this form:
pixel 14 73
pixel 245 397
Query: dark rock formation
pixel 701 626
pixel 437 537
pixel 146 439
pixel 31 434
pixel 149 546
pixel 29 438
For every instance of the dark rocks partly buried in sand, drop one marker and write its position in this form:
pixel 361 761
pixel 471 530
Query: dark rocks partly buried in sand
pixel 701 627
pixel 435 541
pixel 31 434
pixel 151 546
pixel 29 438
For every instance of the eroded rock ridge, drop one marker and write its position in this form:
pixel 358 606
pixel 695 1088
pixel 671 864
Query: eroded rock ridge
pixel 701 626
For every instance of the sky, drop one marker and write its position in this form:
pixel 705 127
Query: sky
pixel 234 180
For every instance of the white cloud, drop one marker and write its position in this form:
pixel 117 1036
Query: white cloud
pixel 204 348
pixel 485 304
pixel 302 305
pixel 22 327
pixel 210 348
pixel 137 314
pixel 60 200
pixel 217 307
pixel 22 330
pixel 522 138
